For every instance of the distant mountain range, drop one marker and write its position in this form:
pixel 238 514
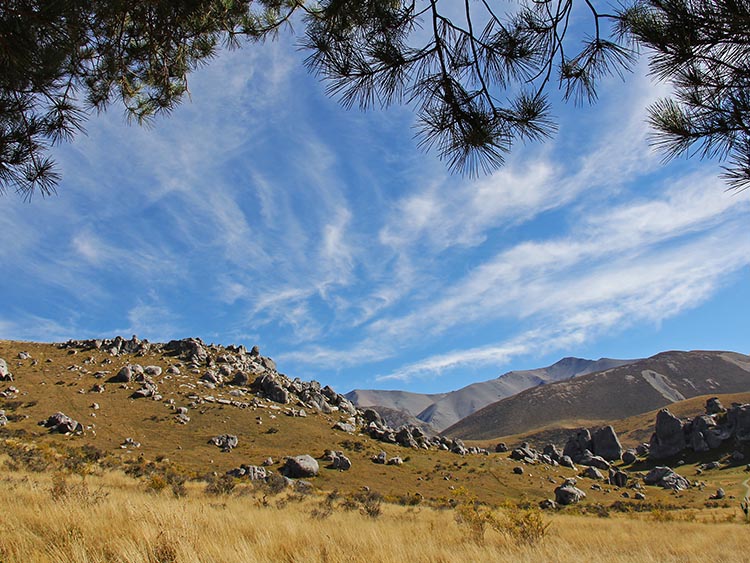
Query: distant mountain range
pixel 443 410
pixel 610 394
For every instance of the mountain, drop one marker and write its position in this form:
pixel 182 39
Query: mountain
pixel 444 409
pixel 611 394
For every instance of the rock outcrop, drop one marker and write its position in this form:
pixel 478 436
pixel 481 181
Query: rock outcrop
pixel 703 433
pixel 603 445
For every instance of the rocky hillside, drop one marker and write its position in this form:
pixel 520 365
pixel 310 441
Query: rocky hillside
pixel 611 394
pixel 442 410
pixel 190 412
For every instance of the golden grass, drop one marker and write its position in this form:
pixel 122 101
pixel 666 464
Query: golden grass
pixel 109 518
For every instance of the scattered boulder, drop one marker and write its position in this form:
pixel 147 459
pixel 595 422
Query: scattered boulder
pixel 130 443
pixel 272 388
pixel 548 504
pixel 578 444
pixel 668 439
pixel 251 472
pixel 188 349
pixel 605 444
pixel 226 442
pixel 501 448
pixel 518 470
pixel 240 378
pixel 738 420
pixel 345 427
pixel 212 377
pixel 714 406
pixel 300 466
pixel 339 461
pixel 396 460
pixel 666 478
pixel 154 371
pixel 566 461
pixel 404 438
pixel 524 453
pixel 617 478
pixel 10 392
pixel 594 461
pixel 5 375
pixel 381 458
pixel 125 375
pixel 629 457
pixel 147 389
pixel 568 493
pixel 62 424
pixel 718 495
pixel 592 473
pixel 3 418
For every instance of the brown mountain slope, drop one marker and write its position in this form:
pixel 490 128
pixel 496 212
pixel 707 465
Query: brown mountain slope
pixel 631 431
pixel 611 394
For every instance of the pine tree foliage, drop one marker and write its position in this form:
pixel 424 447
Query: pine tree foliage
pixel 701 47
pixel 62 60
pixel 479 78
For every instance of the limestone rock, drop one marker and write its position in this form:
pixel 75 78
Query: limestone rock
pixel 226 442
pixel 617 478
pixel 568 493
pixel 5 375
pixel 738 419
pixel 666 478
pixel 300 466
pixel 714 406
pixel 606 444
pixel 251 472
pixel 578 444
pixel 345 427
pixel 593 473
pixel 62 424
pixel 669 438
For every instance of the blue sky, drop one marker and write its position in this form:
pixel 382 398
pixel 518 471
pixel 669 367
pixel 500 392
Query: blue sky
pixel 261 212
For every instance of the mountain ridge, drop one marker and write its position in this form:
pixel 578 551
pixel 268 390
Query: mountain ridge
pixel 442 410
pixel 615 393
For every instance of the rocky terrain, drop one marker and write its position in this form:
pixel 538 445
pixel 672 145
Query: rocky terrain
pixel 206 411
pixel 442 410
pixel 612 394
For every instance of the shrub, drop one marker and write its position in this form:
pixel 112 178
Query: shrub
pixel 371 504
pixel 524 527
pixel 325 508
pixel 155 484
pixel 221 485
pixel 473 515
pixel 274 484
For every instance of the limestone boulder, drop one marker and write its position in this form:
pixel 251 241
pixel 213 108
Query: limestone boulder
pixel 668 440
pixel 300 467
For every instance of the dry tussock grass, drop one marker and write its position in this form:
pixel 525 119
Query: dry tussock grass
pixel 111 518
